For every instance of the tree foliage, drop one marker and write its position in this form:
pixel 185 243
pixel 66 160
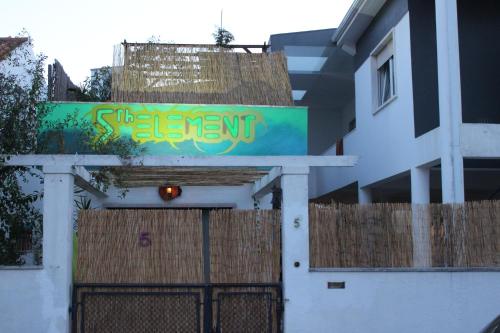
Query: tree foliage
pixel 21 114
pixel 222 37
pixel 97 87
pixel 18 122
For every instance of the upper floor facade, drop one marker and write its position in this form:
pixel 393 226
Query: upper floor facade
pixel 406 85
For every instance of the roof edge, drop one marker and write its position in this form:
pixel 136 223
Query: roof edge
pixel 9 44
pixel 303 31
pixel 348 19
pixel 344 36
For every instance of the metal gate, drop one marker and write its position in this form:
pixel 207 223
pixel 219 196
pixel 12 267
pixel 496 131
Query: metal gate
pixel 197 308
pixel 178 271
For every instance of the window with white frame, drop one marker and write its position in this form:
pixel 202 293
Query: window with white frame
pixel 385 80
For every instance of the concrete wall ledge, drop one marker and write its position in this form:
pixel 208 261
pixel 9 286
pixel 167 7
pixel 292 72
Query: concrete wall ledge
pixel 480 140
pixel 21 268
pixel 406 270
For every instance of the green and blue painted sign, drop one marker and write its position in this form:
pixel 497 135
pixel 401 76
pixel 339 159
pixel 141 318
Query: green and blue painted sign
pixel 190 129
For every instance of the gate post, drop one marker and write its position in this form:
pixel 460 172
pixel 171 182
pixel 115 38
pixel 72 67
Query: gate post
pixel 57 247
pixel 295 246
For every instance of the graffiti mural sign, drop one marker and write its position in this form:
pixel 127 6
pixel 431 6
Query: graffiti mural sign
pixel 188 129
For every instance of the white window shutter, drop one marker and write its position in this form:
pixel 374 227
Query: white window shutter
pixel 384 54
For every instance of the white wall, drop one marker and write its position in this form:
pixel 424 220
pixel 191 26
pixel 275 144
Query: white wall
pixel 480 140
pixel 38 299
pixel 33 184
pixel 22 304
pixel 192 196
pixel 239 197
pixel 384 141
pixel 386 302
pixel 19 63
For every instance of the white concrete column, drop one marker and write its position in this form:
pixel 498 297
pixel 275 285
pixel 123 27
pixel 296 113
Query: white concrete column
pixel 57 247
pixel 450 100
pixel 420 185
pixel 420 199
pixel 295 247
pixel 364 195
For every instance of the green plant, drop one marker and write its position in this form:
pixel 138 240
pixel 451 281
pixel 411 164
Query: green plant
pixel 18 122
pixel 21 112
pixel 81 201
pixel 222 37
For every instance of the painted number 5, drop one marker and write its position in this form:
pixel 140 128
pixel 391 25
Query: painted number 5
pixel 144 239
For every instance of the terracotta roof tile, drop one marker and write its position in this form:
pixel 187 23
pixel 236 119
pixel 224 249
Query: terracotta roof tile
pixel 8 44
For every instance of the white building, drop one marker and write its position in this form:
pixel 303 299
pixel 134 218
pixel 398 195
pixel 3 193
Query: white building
pixel 411 88
pixel 17 59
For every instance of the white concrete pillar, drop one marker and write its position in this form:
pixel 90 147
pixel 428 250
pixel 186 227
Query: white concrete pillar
pixel 57 247
pixel 420 185
pixel 295 247
pixel 365 195
pixel 420 199
pixel 450 100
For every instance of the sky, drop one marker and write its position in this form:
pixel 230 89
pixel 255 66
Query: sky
pixel 81 34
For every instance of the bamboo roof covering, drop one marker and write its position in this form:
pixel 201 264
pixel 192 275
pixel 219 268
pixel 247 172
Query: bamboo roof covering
pixel 196 176
pixel 198 74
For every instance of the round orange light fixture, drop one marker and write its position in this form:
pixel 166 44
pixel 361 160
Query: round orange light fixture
pixel 169 192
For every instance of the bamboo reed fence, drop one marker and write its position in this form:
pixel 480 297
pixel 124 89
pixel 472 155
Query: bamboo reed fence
pixel 113 246
pixel 245 246
pixel 360 236
pixel 380 235
pixel 198 74
pixel 466 235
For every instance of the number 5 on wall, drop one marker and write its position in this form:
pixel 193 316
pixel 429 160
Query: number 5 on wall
pixel 144 239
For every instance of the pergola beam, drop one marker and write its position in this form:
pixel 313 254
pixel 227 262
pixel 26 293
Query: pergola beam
pixel 265 185
pixel 182 161
pixel 85 181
